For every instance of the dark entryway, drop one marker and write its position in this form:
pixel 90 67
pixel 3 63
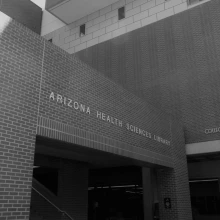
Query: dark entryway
pixel 205 199
pixel 115 193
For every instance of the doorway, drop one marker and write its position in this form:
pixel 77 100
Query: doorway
pixel 115 194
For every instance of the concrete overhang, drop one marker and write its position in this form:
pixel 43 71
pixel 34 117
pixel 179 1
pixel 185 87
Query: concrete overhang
pixel 95 158
pixel 69 11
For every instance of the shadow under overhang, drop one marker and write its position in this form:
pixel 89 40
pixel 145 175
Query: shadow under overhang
pixel 95 158
pixel 69 11
pixel 52 3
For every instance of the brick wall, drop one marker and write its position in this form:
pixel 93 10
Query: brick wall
pixel 172 64
pixel 84 85
pixel 27 84
pixel 103 25
pixel 23 11
pixel 173 183
pixel 20 69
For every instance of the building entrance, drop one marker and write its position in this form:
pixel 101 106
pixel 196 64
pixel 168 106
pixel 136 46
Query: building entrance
pixel 105 186
pixel 115 194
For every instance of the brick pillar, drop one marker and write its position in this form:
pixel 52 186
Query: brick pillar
pixel 174 183
pixel 20 70
pixel 73 188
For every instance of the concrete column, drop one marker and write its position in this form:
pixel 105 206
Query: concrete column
pixel 147 193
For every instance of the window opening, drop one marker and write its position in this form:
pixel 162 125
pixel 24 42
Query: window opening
pixel 121 13
pixel 82 30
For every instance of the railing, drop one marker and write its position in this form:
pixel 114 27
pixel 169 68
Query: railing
pixel 57 208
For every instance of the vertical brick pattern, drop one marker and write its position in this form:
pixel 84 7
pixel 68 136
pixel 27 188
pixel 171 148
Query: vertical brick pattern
pixel 172 64
pixel 73 189
pixel 20 68
pixel 23 11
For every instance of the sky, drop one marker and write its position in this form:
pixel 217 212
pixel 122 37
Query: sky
pixel 40 3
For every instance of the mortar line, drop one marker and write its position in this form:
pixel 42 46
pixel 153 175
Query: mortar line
pixel 41 78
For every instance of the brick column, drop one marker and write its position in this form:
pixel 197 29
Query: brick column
pixel 173 183
pixel 73 188
pixel 20 69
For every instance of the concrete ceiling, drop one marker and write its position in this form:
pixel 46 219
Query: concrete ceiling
pixel 71 10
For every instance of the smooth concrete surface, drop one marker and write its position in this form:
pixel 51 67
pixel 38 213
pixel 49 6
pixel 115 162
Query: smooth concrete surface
pixel 203 147
pixel 50 23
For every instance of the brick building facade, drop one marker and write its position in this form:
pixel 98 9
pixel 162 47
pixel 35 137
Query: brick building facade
pixel 172 64
pixel 132 100
pixel 46 93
